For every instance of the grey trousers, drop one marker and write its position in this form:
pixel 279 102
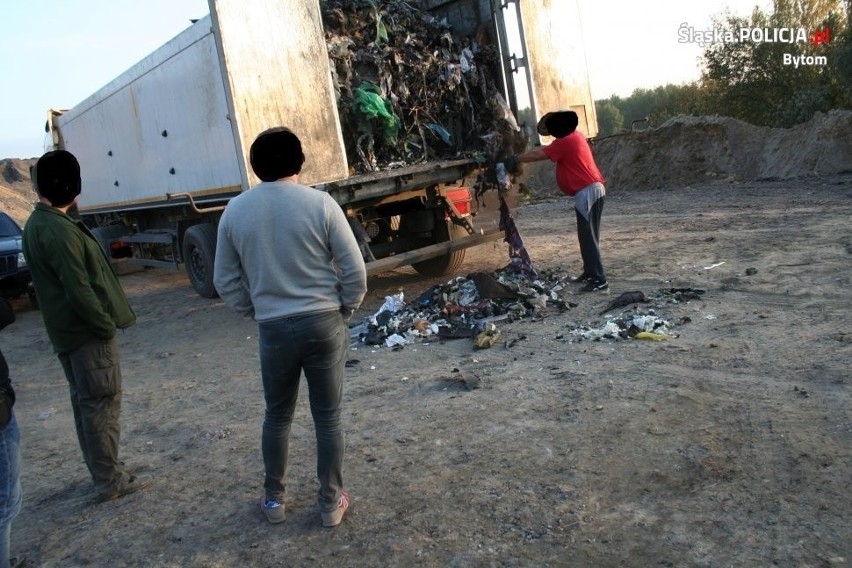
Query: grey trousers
pixel 94 379
pixel 317 344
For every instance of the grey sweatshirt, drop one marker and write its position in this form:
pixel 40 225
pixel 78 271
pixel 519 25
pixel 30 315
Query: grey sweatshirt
pixel 285 249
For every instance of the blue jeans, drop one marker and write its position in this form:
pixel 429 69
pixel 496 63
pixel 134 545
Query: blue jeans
pixel 10 484
pixel 317 344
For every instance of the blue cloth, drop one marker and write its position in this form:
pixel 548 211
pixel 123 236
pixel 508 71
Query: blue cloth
pixel 519 258
pixel 317 344
pixel 10 484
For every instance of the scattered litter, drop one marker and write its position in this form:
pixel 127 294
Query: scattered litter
pixel 626 327
pixel 684 294
pixel 472 306
pixel 609 330
pixel 44 415
pixel 714 265
pixel 487 339
pixel 464 307
pixel 395 340
pixel 650 335
pixel 625 299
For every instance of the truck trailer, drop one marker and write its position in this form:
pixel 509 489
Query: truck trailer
pixel 165 146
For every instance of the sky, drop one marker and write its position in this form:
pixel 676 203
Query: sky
pixel 55 53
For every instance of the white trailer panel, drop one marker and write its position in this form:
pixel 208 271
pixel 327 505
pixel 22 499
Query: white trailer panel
pixel 161 127
pixel 556 59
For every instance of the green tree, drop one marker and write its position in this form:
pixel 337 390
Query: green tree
pixel 749 80
pixel 652 107
pixel 610 119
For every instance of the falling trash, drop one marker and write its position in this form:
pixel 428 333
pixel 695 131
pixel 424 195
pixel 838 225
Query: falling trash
pixel 518 256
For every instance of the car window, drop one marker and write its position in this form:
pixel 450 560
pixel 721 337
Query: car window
pixel 8 227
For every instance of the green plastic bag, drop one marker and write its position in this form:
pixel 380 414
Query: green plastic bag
pixel 370 106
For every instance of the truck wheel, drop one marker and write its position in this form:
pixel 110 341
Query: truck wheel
pixel 199 250
pixel 448 263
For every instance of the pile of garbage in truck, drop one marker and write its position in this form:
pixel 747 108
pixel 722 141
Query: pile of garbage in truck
pixel 410 89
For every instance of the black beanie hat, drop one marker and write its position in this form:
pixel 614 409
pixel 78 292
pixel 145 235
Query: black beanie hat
pixel 57 177
pixel 276 153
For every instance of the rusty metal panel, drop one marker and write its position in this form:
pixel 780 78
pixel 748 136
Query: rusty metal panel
pixel 276 66
pixel 559 76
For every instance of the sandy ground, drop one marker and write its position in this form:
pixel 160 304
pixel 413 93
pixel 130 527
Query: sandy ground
pixel 727 445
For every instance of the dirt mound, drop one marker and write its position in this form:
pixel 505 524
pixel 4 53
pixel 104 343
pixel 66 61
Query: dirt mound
pixel 16 190
pixel 687 150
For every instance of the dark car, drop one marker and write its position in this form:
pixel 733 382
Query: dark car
pixel 15 280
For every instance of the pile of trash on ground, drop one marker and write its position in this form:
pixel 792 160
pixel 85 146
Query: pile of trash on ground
pixel 472 306
pixel 410 89
pixel 637 323
pixel 462 307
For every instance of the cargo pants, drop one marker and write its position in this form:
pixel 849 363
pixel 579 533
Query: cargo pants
pixel 94 380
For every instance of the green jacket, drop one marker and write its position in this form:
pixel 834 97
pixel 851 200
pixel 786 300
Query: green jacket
pixel 78 292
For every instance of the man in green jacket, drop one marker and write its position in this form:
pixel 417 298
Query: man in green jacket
pixel 82 304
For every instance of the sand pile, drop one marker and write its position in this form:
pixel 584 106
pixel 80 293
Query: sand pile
pixel 16 193
pixel 688 150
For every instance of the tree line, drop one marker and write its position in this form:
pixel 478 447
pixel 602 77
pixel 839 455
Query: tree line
pixel 767 83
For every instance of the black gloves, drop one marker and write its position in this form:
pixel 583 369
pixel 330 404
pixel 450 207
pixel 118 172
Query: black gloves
pixel 512 164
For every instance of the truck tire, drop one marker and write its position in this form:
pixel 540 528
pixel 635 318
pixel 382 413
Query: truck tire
pixel 199 250
pixel 447 263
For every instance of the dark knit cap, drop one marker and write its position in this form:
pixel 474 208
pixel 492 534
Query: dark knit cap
pixel 558 124
pixel 276 153
pixel 57 177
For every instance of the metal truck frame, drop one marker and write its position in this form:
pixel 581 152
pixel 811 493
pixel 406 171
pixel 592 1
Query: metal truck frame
pixel 164 146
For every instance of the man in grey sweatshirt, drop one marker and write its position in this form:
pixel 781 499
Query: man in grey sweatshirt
pixel 286 256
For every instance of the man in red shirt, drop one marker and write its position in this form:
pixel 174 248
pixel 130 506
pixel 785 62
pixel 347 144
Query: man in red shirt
pixel 577 175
